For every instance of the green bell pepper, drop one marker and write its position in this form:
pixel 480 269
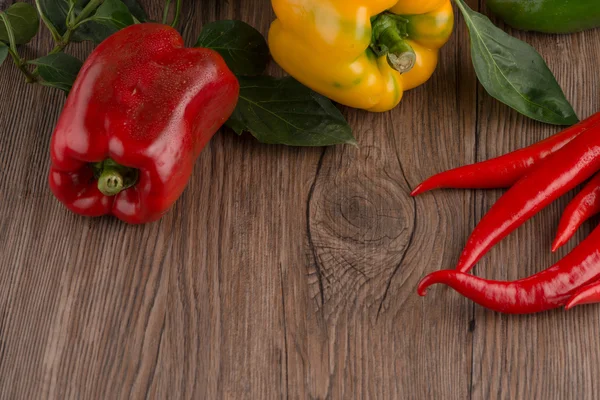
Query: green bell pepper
pixel 548 16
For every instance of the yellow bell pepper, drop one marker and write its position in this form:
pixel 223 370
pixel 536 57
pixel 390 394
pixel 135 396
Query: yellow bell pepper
pixel 361 53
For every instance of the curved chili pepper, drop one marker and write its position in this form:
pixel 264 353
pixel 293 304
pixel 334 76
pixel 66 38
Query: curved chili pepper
pixel 504 171
pixel 584 206
pixel 588 294
pixel 553 177
pixel 543 291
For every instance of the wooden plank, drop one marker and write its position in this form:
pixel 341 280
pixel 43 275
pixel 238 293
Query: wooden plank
pixel 287 272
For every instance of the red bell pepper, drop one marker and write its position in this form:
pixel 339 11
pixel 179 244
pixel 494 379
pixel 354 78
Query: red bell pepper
pixel 141 110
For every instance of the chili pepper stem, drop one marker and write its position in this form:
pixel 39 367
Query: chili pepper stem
pixel 389 39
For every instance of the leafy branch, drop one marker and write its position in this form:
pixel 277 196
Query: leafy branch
pixel 67 21
pixel 73 22
pixel 19 34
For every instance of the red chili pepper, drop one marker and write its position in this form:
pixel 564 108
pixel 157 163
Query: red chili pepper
pixel 588 294
pixel 141 110
pixel 552 178
pixel 504 171
pixel 543 291
pixel 584 206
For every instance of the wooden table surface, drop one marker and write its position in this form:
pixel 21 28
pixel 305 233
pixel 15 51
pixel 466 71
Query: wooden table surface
pixel 289 272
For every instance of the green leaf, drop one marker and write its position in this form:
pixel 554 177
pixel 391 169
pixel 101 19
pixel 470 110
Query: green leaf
pixel 514 73
pixel 24 21
pixel 136 10
pixel 58 70
pixel 244 49
pixel 283 111
pixel 110 17
pixel 3 52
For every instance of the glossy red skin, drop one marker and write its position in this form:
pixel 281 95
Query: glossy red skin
pixel 583 207
pixel 588 294
pixel 147 102
pixel 504 171
pixel 545 290
pixel 552 178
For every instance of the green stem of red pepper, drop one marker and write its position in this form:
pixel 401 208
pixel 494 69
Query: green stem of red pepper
pixel 113 177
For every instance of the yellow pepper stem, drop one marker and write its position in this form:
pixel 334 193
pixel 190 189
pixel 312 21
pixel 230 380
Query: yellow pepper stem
pixel 389 39
pixel 400 56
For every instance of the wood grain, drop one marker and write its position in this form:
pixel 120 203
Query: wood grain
pixel 286 272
